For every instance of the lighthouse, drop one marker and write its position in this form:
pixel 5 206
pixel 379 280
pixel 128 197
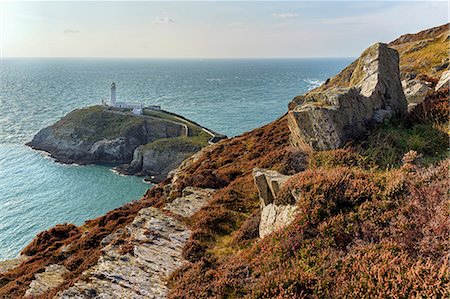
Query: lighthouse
pixel 112 102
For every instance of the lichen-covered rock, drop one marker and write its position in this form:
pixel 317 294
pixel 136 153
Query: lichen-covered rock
pixel 7 265
pixel 367 91
pixel 268 183
pixel 52 277
pixel 415 90
pixel 150 249
pixel 192 200
pixel 443 81
pixel 274 217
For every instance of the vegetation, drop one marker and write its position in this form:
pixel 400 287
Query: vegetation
pixel 181 144
pixel 96 122
pixel 368 226
pixel 194 129
pixel 374 217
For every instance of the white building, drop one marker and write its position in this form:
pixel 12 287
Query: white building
pixel 137 108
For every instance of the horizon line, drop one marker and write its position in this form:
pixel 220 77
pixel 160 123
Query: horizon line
pixel 168 58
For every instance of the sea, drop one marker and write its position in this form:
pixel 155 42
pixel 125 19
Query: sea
pixel 229 96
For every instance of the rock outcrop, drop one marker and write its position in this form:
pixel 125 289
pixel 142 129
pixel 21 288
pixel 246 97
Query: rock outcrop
pixel 415 90
pixel 6 265
pixel 368 91
pixel 138 259
pixel 273 216
pixel 158 158
pixel 101 135
pixel 52 277
pixel 443 81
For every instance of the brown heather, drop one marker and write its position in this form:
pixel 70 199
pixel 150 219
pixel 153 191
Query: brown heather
pixel 372 223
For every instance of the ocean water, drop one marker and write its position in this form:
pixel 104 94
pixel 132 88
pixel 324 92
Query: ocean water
pixel 228 96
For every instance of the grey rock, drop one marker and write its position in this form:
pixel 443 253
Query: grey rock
pixel 7 265
pixel 191 201
pixel 415 90
pixel 443 81
pixel 275 217
pixel 52 277
pixel 268 183
pixel 157 242
pixel 331 115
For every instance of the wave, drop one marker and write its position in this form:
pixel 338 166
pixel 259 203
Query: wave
pixel 313 83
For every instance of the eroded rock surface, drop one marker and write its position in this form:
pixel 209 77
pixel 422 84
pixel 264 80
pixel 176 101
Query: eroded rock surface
pixel 443 81
pixel 268 183
pixel 52 277
pixel 415 90
pixel 191 201
pixel 150 249
pixel 367 91
pixel 273 216
pixel 7 265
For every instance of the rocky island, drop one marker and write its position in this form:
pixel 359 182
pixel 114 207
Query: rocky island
pixel 151 144
pixel 345 196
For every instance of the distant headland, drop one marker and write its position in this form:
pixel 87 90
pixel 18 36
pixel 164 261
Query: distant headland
pixel 137 139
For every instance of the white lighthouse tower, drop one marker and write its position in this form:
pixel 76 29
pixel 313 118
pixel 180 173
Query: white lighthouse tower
pixel 112 102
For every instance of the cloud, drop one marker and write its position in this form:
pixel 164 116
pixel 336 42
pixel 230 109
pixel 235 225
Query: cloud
pixel 71 31
pixel 285 15
pixel 163 20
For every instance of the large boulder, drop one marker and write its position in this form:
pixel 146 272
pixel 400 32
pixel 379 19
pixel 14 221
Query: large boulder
pixel 368 91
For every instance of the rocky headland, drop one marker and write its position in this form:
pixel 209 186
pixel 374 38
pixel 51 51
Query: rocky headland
pixel 345 196
pixel 151 145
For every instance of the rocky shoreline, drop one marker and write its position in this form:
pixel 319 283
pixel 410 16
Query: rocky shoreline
pixel 145 145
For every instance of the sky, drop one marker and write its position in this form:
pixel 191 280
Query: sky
pixel 207 29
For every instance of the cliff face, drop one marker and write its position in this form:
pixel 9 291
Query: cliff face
pixel 342 109
pixel 158 158
pixel 99 135
pixel 367 220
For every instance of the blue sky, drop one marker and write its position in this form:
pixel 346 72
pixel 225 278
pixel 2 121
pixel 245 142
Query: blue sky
pixel 208 29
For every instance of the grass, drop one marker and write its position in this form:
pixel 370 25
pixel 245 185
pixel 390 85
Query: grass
pixel 182 143
pixel 194 129
pixel 95 123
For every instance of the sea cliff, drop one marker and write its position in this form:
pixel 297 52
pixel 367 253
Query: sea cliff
pixel 258 216
pixel 102 134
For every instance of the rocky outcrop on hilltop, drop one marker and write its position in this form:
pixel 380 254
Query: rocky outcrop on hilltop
pixel 273 216
pixel 367 91
pixel 100 135
pixel 356 232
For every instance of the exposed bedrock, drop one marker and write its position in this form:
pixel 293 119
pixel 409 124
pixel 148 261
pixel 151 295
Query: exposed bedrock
pixel 99 135
pixel 157 159
pixel 368 91
pixel 273 216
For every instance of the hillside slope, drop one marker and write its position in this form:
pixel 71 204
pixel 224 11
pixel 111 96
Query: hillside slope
pixel 373 218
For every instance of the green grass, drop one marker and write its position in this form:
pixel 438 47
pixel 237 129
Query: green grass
pixel 182 144
pixel 193 128
pixel 95 123
pixel 386 146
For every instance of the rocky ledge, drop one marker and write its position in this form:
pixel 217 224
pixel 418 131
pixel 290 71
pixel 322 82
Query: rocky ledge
pixel 136 260
pixel 368 91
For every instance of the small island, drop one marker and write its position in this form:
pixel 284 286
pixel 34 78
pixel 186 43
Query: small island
pixel 135 139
